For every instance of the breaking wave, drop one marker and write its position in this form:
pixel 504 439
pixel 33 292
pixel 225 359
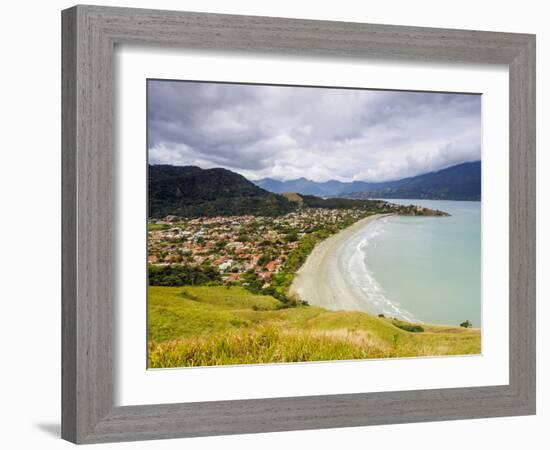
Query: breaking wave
pixel 353 265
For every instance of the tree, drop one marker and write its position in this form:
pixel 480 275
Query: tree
pixel 243 237
pixel 466 324
pixel 220 245
pixel 264 259
pixel 181 275
pixel 252 281
pixel 292 236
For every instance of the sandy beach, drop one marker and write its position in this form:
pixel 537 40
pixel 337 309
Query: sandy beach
pixel 319 281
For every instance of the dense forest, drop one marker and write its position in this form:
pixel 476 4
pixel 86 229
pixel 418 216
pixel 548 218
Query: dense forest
pixel 190 191
pixel 311 201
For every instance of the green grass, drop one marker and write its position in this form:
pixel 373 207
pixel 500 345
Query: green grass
pixel 218 325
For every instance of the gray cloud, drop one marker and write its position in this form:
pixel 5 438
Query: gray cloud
pixel 318 133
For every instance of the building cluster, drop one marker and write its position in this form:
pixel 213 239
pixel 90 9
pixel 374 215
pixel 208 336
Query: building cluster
pixel 238 244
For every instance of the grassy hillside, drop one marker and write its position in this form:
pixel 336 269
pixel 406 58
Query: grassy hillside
pixel 217 325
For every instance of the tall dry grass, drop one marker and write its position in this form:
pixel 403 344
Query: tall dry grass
pixel 262 345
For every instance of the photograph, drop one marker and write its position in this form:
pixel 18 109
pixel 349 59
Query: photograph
pixel 293 224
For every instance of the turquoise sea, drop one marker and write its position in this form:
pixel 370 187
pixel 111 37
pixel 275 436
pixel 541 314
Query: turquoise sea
pixel 420 268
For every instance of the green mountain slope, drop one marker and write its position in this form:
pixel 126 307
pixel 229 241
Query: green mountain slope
pixel 190 191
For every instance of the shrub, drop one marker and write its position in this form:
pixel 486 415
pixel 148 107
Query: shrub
pixel 412 328
pixel 180 275
pixel 466 324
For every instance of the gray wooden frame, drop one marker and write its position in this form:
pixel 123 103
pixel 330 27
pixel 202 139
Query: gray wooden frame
pixel 89 36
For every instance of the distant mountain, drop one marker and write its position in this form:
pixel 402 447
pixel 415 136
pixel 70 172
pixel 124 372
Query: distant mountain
pixel 190 191
pixel 460 182
pixel 308 187
pixel 300 185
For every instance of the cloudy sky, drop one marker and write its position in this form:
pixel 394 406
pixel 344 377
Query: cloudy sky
pixel 321 134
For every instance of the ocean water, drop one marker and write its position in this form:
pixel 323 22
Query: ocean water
pixel 425 269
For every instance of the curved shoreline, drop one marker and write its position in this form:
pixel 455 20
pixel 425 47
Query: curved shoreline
pixel 319 281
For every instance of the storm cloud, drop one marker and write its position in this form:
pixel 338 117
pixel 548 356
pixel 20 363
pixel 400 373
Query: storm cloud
pixel 318 133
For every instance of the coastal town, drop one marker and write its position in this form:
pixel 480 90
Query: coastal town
pixel 238 249
pixel 239 244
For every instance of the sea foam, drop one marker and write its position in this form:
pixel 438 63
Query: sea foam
pixel 353 266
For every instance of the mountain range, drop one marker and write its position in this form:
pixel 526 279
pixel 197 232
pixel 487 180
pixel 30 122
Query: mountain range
pixel 460 182
pixel 189 191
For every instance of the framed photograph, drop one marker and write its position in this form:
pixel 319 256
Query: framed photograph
pixel 278 224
